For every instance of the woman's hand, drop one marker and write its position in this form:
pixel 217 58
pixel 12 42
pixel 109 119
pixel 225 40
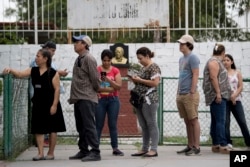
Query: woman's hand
pixel 7 70
pixel 233 98
pixel 218 98
pixel 53 110
pixel 136 79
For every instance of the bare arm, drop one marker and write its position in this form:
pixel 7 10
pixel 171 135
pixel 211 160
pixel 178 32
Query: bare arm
pixel 194 80
pixel 62 73
pixel 152 83
pixel 213 67
pixel 18 73
pixel 239 88
pixel 240 84
pixel 56 86
pixel 117 83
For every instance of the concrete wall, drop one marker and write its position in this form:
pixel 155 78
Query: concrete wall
pixel 166 55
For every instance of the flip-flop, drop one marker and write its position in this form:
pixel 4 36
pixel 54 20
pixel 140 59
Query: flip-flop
pixel 49 157
pixel 38 158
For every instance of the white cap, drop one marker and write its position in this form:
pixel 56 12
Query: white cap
pixel 186 39
pixel 84 38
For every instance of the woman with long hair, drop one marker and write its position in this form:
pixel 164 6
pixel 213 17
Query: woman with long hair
pixel 234 105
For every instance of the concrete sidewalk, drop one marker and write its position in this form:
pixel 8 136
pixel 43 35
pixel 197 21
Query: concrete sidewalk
pixel 167 157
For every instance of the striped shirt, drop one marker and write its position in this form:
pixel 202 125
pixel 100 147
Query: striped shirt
pixel 85 80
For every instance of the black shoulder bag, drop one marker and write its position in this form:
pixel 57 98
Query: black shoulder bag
pixel 136 100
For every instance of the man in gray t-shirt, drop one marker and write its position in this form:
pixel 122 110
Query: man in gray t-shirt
pixel 188 97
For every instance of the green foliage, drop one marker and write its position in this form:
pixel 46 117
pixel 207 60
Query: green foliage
pixel 9 37
pixel 237 141
pixel 206 19
pixel 134 66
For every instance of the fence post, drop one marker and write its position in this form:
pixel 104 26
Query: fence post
pixel 160 112
pixel 7 121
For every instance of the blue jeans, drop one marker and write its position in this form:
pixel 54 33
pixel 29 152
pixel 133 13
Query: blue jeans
pixel 111 107
pixel 238 113
pixel 218 121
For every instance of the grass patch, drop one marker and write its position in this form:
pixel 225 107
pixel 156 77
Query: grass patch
pixel 67 140
pixel 237 141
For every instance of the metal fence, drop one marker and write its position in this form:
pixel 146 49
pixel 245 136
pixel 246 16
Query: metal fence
pixel 171 125
pixel 15 115
pixel 14 133
pixel 205 20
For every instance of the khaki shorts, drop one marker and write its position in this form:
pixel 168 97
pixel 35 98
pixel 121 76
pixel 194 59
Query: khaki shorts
pixel 187 106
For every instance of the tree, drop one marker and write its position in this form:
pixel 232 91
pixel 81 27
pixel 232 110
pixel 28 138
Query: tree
pixel 208 20
pixel 243 7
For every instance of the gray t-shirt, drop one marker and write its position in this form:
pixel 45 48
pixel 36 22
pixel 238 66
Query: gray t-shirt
pixel 186 64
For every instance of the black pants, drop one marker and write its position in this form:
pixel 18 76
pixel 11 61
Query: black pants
pixel 84 111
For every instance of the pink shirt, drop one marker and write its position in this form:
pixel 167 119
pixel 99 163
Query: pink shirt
pixel 111 75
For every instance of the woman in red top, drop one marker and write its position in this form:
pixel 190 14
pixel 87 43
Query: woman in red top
pixel 108 99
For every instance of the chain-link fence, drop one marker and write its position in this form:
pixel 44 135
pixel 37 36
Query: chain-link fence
pixel 173 126
pixel 14 134
pixel 15 108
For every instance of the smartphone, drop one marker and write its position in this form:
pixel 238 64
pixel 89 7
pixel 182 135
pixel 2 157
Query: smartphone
pixel 103 74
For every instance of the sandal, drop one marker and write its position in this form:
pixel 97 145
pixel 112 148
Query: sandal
pixel 38 158
pixel 49 157
pixel 139 154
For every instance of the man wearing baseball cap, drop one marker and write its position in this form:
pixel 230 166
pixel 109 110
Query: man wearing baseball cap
pixel 83 94
pixel 187 99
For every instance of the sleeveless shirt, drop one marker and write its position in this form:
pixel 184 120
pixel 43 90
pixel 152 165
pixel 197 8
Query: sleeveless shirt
pixel 208 88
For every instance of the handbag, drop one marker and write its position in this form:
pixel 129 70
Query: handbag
pixel 136 100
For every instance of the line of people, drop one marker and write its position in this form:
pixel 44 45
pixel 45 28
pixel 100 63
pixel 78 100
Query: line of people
pixel 222 87
pixel 94 94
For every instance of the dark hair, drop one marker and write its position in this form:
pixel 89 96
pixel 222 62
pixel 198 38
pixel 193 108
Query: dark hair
pixel 233 66
pixel 107 53
pixel 49 44
pixel 190 46
pixel 86 46
pixel 46 53
pixel 145 52
pixel 218 49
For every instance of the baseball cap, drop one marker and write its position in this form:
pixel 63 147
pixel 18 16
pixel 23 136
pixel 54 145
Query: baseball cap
pixel 186 39
pixel 84 38
pixel 49 44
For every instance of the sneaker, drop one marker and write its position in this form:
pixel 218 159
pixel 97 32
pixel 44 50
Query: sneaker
pixel 184 150
pixel 193 151
pixel 78 155
pixel 117 152
pixel 230 146
pixel 92 157
pixel 216 149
